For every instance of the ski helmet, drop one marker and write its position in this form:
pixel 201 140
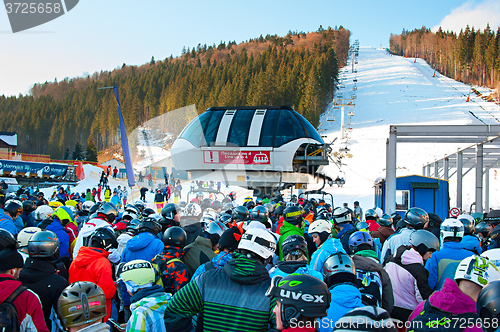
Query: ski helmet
pixel 150 225
pixel 215 227
pixel 323 228
pixel 371 214
pixel 94 208
pixel 362 226
pixel 360 241
pixel 25 235
pixel 478 217
pixel 132 226
pixel 225 218
pixel 7 240
pixel 483 228
pixel 249 205
pixel 64 214
pixel 294 244
pixel 395 217
pixel 44 244
pixel 493 217
pixel 139 271
pixel 240 213
pixel 217 205
pixel 424 241
pixel 139 205
pixel 451 228
pixel 109 211
pixel 28 206
pixel 259 242
pixel 338 268
pixel 474 268
pixel 209 215
pixel 468 223
pixel 494 269
pixel 341 215
pixel 129 215
pixel 87 205
pixel 488 302
pixel 147 212
pixel 81 303
pixel 278 211
pixel 192 210
pixel 13 208
pixel 175 236
pixel 416 218
pixel 385 220
pixel 260 213
pixel 104 238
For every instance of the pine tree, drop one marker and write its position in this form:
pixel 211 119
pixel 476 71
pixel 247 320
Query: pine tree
pixel 91 151
pixel 66 154
pixel 77 152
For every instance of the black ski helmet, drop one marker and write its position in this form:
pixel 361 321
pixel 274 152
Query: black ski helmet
pixel 468 226
pixel 493 217
pixel 293 244
pixel 175 236
pixel 95 207
pixel 217 205
pixel 13 208
pixel 279 210
pixel 249 205
pixel 293 215
pixel 225 218
pixel 109 211
pixel 424 241
pixel 240 213
pixel 416 218
pixel 385 220
pixel 301 296
pixel 488 302
pixel 169 211
pixel 150 225
pixel 395 217
pixel 260 213
pixel 7 240
pixel 132 226
pixel 482 228
pixel 104 238
pixel 370 214
pixel 147 212
pixel 28 206
pixel 44 244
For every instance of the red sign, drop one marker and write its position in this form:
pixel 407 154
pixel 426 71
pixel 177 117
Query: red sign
pixel 454 212
pixel 237 157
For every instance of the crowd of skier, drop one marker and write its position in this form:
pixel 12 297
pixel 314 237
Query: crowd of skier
pixel 293 264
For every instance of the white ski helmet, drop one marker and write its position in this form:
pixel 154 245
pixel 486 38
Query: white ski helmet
pixel 25 235
pixel 192 210
pixel 342 215
pixel 494 256
pixel 258 241
pixel 475 269
pixel 451 228
pixel 209 215
pixel 320 226
pixel 87 205
pixel 43 212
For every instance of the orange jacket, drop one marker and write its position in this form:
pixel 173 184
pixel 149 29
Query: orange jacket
pixel 92 264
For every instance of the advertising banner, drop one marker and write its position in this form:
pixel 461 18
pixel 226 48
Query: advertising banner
pixel 25 167
pixel 238 157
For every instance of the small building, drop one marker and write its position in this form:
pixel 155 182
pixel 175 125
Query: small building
pixel 430 194
pixel 113 162
pixel 8 144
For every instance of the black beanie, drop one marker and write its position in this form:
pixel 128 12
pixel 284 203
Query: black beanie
pixel 229 239
pixel 10 259
pixel 493 217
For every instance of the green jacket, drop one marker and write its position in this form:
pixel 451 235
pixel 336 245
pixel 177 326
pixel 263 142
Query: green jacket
pixel 286 230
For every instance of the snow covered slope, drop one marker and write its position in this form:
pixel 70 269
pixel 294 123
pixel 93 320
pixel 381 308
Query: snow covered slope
pixel 396 90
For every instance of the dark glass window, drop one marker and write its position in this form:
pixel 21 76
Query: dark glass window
pixel 194 131
pixel 288 129
pixel 212 127
pixel 310 131
pixel 238 133
pixel 269 128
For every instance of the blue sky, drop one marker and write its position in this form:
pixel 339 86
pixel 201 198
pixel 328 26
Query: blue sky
pixel 102 35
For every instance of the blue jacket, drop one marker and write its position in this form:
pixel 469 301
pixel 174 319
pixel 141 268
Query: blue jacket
pixel 472 243
pixel 8 224
pixel 449 253
pixel 345 297
pixel 329 247
pixel 288 267
pixel 142 246
pixel 347 227
pixel 218 261
pixel 56 227
pixel 115 200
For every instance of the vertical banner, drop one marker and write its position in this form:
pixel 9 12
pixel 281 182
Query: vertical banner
pixel 125 147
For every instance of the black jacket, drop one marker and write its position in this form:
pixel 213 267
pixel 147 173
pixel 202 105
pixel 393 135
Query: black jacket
pixel 40 276
pixel 193 229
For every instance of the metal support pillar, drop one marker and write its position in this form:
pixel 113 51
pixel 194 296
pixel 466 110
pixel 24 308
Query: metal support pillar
pixel 390 174
pixel 487 190
pixel 423 170
pixel 446 176
pixel 436 170
pixel 342 121
pixel 479 178
pixel 460 160
pixel 428 171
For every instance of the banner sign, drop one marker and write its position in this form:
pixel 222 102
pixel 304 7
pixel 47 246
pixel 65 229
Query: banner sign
pixel 25 167
pixel 237 157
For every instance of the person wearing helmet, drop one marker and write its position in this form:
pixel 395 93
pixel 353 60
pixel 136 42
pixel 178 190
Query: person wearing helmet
pixel 371 217
pixel 82 306
pixel 434 224
pixel 190 222
pixel 260 214
pixel 298 313
pixel 146 244
pixel 159 200
pixel 459 294
pixel 54 224
pixel 488 302
pixel 172 270
pixel 92 264
pixel 9 219
pixel 67 216
pixel 482 231
pixel 228 243
pixel 240 215
pixel 385 230
pixel 83 215
pixel 129 232
pixel 321 231
pixel 40 274
pixel 378 291
pixel 294 249
pixel 415 218
pixel 30 316
pixel 22 239
pixel 26 216
pixel 226 291
pixel 106 215
pixel 217 206
pixel 451 253
pixel 493 219
pixel 469 241
pixel 406 269
pixel 339 274
pixel 293 224
pixel 148 299
pixel 342 220
pixel 171 214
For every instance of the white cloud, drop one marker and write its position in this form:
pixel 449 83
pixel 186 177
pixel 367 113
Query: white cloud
pixel 476 15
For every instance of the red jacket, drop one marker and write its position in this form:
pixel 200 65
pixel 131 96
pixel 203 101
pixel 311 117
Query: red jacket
pixel 29 309
pixel 92 264
pixel 72 231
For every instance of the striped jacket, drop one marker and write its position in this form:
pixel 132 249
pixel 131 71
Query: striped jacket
pixel 147 313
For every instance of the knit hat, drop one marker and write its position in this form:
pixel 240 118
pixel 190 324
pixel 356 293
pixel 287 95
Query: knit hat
pixel 10 259
pixel 366 319
pixel 230 238
pixel 434 220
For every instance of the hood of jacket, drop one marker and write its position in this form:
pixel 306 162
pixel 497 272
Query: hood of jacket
pixel 244 270
pixel 290 267
pixel 8 285
pixel 385 231
pixel 35 270
pixel 140 241
pixel 367 253
pixel 221 259
pixel 347 227
pixel 450 298
pixel 366 263
pixel 350 295
pixel 411 256
pixel 87 255
pixel 287 227
pixel 153 291
pixel 471 243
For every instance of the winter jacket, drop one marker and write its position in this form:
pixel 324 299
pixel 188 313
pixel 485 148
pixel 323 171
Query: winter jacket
pixel 192 227
pixel 55 226
pixel 174 273
pixel 288 267
pixel 452 300
pixel 148 306
pixel 89 197
pixel 115 200
pixel 221 297
pixel 7 223
pixel 449 253
pixel 159 198
pixel 198 253
pixel 142 246
pixel 107 195
pixel 61 197
pixel 80 220
pixel 347 227
pixel 287 230
pixel 122 241
pixel 344 238
pixel 40 276
pixel 72 231
pixel 92 264
pixel 218 261
pixel 345 297
pixel 471 243
pixel 87 229
pixel 28 306
pixel 397 240
pixel 366 260
pixel 96 327
pixel 372 225
pixel 383 232
pixel 327 248
pixel 409 279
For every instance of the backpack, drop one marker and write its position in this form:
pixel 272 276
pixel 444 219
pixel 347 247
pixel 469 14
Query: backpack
pixel 369 285
pixel 434 319
pixel 160 264
pixel 9 321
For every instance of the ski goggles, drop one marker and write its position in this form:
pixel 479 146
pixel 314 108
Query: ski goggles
pixel 273 290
